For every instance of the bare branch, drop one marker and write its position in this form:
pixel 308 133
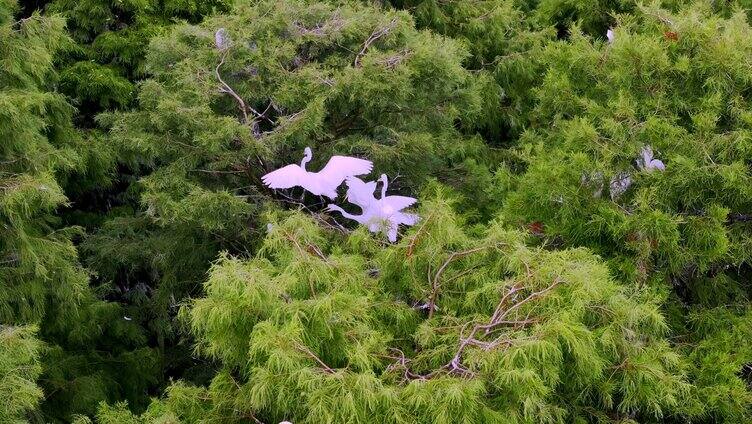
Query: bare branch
pixel 313 356
pixel 393 61
pixel 436 278
pixel 227 89
pixel 333 25
pixel 375 35
pixel 496 321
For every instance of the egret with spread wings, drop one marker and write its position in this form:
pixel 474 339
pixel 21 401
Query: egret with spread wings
pixel 378 215
pixel 322 183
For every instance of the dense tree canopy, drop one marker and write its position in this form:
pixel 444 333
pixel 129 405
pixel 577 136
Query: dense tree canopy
pixel 583 252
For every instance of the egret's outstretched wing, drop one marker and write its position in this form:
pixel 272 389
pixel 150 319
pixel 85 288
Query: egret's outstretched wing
pixel 285 177
pixel 340 167
pixel 357 184
pixel 397 203
pixel 405 218
pixel 359 192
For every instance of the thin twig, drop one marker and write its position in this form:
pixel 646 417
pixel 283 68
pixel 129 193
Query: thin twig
pixel 375 35
pixel 436 278
pixel 414 240
pixel 313 356
pixel 227 89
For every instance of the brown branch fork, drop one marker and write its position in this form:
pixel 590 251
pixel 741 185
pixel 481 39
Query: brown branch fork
pixel 499 319
pixel 375 35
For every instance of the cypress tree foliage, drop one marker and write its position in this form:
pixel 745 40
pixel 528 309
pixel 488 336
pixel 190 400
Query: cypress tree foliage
pixel 677 83
pixel 503 39
pixel 112 36
pixel 41 280
pixel 583 253
pixel 204 193
pixel 131 330
pixel 348 79
pixel 39 264
pixel 19 369
pixel 450 325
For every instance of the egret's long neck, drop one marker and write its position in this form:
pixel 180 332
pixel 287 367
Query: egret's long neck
pixel 306 159
pixel 347 215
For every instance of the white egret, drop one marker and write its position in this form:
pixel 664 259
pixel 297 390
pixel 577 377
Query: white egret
pixel 384 182
pixel 391 206
pixel 648 162
pixel 221 39
pixel 620 183
pixel 378 215
pixel 324 182
pixel 610 35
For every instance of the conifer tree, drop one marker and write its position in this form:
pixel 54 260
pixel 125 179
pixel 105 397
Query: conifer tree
pixel 583 253
pixel 212 119
pixel 19 369
pixel 111 37
pixel 447 326
pixel 350 78
pixel 41 281
pixel 675 84
pixel 38 265
pixel 503 38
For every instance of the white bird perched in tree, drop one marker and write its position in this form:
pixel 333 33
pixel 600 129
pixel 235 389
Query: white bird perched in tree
pixel 378 215
pixel 620 183
pixel 610 35
pixel 221 40
pixel 647 162
pixel 324 182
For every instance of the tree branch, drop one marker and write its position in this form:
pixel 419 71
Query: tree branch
pixel 497 320
pixel 375 35
pixel 227 89
pixel 313 356
pixel 738 217
pixel 436 278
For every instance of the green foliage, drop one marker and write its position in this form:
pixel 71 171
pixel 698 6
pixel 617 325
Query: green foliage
pixel 41 280
pixel 97 82
pixel 305 77
pixel 111 39
pixel 644 90
pixel 324 328
pixel 552 277
pixel 503 42
pixel 39 263
pixel 675 82
pixel 301 66
pixel 19 369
